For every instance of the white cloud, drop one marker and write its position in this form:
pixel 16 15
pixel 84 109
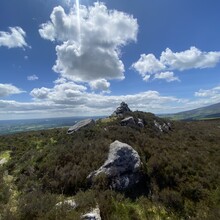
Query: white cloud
pixel 94 53
pixel 60 93
pixel 71 95
pixel 100 84
pixel 70 99
pixel 14 38
pixel 41 93
pixel 189 59
pixel 148 64
pixel 32 77
pixel 169 61
pixel 60 81
pixel 213 94
pixel 168 76
pixel 8 89
pixel 146 78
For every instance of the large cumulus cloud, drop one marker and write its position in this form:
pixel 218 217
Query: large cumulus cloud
pixel 90 51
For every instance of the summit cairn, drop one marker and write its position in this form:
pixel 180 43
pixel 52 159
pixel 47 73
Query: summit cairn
pixel 123 108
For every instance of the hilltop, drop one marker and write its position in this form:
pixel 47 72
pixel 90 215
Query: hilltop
pixel 130 165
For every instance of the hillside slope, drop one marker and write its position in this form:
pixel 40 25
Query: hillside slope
pixel 208 112
pixel 180 171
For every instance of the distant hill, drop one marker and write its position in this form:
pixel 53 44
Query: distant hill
pixel 204 113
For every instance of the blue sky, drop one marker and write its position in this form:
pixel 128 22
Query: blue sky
pixel 60 59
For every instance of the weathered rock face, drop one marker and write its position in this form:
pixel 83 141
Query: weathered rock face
pixel 128 121
pixel 165 127
pixel 93 215
pixel 140 122
pixel 123 108
pixel 122 166
pixel 81 124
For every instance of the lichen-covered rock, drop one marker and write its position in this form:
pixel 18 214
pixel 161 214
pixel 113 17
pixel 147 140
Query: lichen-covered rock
pixel 94 214
pixel 121 167
pixel 165 127
pixel 140 122
pixel 81 124
pixel 128 121
pixel 158 126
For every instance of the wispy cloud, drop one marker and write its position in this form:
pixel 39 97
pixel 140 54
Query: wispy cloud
pixel 32 77
pixel 168 76
pixel 9 89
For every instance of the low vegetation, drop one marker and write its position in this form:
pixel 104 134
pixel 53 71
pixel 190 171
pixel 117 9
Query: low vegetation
pixel 181 172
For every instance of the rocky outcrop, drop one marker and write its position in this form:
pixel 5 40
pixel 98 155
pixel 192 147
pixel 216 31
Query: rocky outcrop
pixel 93 215
pixel 165 127
pixel 123 108
pixel 81 124
pixel 128 121
pixel 121 167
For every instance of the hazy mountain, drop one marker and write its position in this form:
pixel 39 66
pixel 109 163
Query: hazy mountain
pixel 208 112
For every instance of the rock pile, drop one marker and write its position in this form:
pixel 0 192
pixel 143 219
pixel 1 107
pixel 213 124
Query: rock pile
pixel 123 108
pixel 121 168
pixel 165 127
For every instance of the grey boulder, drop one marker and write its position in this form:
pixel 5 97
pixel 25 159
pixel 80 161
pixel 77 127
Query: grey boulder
pixel 128 121
pixel 81 124
pixel 140 122
pixel 121 167
pixel 165 127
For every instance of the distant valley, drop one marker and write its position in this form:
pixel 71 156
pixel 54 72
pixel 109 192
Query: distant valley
pixel 15 126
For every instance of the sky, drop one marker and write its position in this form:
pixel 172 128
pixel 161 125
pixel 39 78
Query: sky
pixel 83 58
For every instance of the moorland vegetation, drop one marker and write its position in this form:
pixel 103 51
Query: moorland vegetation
pixel 181 171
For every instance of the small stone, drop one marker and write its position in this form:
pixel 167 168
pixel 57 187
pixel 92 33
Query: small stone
pixel 69 202
pixel 93 215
